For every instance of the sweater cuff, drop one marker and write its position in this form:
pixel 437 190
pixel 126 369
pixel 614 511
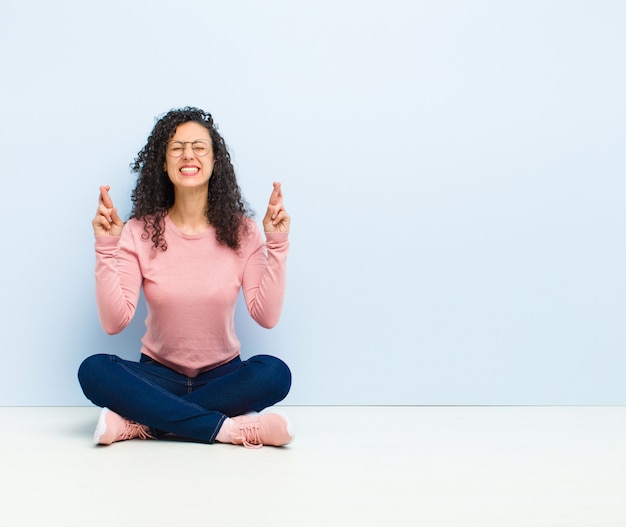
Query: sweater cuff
pixel 106 244
pixel 276 238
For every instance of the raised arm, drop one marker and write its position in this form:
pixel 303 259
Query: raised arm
pixel 118 274
pixel 264 276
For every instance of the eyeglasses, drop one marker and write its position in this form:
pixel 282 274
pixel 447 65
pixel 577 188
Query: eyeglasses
pixel 177 148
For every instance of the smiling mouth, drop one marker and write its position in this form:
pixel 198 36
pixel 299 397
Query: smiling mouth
pixel 189 171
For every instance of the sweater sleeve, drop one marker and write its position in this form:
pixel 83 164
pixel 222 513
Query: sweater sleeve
pixel 264 277
pixel 118 280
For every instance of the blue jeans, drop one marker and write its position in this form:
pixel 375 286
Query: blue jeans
pixel 168 402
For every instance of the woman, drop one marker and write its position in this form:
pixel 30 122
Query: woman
pixel 191 244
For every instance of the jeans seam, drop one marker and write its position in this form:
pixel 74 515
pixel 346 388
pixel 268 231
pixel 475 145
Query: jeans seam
pixel 156 374
pixel 178 399
pixel 217 428
pixel 161 389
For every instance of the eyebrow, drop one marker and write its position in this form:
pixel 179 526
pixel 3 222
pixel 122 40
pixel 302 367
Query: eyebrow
pixel 194 141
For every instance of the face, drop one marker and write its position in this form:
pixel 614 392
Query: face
pixel 194 165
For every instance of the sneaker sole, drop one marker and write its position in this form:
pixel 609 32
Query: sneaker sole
pixel 101 427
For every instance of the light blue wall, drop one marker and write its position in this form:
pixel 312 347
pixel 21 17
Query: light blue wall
pixel 455 172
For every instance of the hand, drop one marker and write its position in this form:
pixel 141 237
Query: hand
pixel 276 218
pixel 107 222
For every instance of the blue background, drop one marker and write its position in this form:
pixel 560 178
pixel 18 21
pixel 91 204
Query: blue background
pixel 454 170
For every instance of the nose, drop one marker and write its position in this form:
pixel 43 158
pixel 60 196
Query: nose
pixel 188 151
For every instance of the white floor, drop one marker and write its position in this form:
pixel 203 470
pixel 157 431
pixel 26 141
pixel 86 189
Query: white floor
pixel 379 466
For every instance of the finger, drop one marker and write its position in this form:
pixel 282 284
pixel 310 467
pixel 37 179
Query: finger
pixel 277 194
pixel 115 219
pixel 280 217
pixel 101 221
pixel 271 211
pixel 105 197
pixel 105 212
pixel 276 210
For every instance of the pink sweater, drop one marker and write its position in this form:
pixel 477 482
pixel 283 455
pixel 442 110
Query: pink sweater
pixel 191 291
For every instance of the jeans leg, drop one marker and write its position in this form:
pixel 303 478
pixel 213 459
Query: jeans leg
pixel 132 390
pixel 257 383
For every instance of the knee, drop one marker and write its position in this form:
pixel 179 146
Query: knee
pixel 92 365
pixel 278 374
pixel 91 373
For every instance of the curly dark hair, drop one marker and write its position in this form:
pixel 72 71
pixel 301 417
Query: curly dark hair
pixel 154 193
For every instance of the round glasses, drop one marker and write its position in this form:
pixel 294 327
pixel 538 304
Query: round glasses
pixel 177 148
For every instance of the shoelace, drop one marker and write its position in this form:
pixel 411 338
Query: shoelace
pixel 133 430
pixel 250 436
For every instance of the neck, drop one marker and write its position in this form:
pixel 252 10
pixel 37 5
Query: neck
pixel 188 210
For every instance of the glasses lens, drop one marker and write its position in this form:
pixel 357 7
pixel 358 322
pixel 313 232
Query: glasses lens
pixel 200 149
pixel 175 149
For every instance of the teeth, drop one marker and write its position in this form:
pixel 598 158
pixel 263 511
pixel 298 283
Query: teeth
pixel 189 169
